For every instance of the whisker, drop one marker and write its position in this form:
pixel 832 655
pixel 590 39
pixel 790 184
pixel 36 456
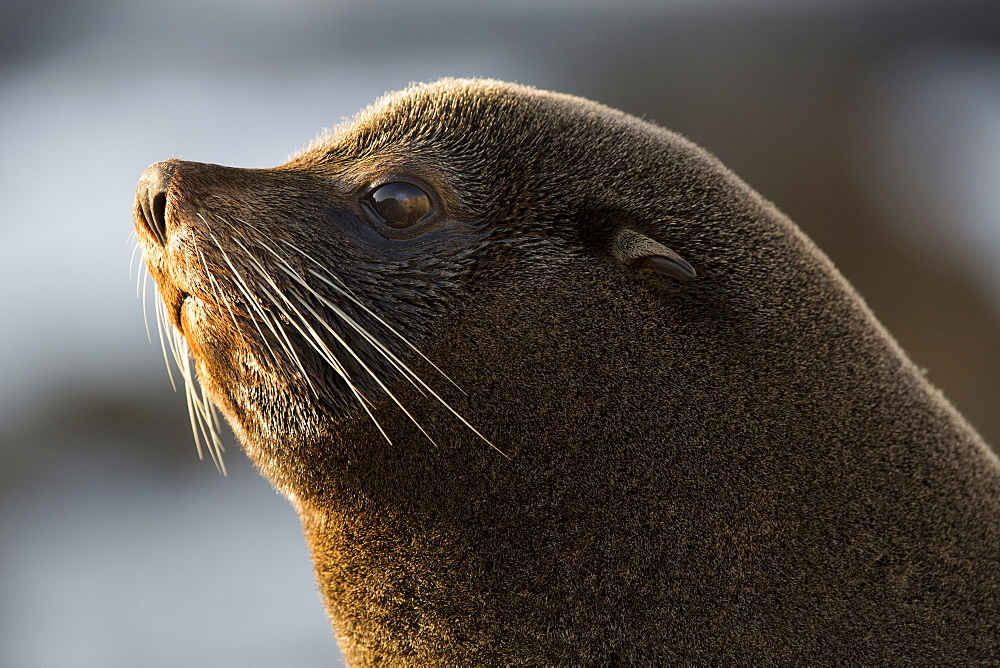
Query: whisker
pixel 253 304
pixel 316 341
pixel 201 410
pixel 326 351
pixel 145 315
pixel 196 409
pixel 272 308
pixel 320 347
pixel 275 326
pixel 398 364
pixel 379 346
pixel 347 293
pixel 392 358
pixel 216 290
pixel 343 290
pixel 131 263
pixel 160 310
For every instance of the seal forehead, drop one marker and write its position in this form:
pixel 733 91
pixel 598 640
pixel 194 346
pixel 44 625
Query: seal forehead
pixel 462 112
pixel 554 132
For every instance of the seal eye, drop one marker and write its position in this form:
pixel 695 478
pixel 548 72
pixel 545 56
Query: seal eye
pixel 400 204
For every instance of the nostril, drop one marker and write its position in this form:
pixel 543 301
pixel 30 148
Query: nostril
pixel 151 196
pixel 153 209
pixel 160 215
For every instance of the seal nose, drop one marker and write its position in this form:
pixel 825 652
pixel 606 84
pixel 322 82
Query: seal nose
pixel 151 195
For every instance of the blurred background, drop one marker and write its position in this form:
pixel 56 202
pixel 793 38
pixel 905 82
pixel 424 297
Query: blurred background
pixel 875 125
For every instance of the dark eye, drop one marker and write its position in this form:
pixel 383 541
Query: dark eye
pixel 400 204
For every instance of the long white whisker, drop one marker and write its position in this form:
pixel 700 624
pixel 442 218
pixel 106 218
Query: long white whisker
pixel 275 327
pixel 391 357
pixel 178 346
pixel 345 345
pixel 398 364
pixel 324 351
pixel 209 418
pixel 160 310
pixel 131 262
pixel 347 293
pixel 343 290
pixel 407 372
pixel 216 289
pixel 145 314
pixel 241 285
pixel 298 321
pixel 200 408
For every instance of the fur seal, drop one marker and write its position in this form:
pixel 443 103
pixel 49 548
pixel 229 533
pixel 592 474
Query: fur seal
pixel 548 384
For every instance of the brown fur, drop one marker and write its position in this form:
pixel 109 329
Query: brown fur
pixel 741 467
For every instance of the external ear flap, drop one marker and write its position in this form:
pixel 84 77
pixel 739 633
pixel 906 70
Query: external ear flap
pixel 639 252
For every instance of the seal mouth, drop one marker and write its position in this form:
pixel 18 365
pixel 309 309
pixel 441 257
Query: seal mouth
pixel 174 302
pixel 179 308
pixel 181 297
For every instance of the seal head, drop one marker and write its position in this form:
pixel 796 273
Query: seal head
pixel 548 384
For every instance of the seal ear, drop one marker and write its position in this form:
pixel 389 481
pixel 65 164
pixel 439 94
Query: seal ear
pixel 637 251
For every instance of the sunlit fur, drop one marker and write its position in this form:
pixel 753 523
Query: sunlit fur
pixel 739 468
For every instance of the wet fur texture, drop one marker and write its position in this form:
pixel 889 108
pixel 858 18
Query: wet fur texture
pixel 741 467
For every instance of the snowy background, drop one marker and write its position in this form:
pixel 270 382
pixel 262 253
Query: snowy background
pixel 874 124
